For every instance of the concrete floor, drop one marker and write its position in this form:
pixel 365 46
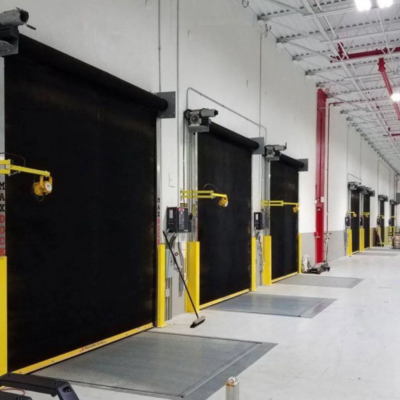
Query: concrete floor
pixel 349 351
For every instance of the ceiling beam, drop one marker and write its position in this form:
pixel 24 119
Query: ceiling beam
pixel 288 10
pixel 365 78
pixel 351 50
pixel 382 110
pixel 342 29
pixel 287 7
pixel 364 36
pixel 327 13
pixel 350 93
pixel 354 63
pixel 329 8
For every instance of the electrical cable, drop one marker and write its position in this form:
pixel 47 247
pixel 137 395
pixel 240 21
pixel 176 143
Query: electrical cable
pixel 210 184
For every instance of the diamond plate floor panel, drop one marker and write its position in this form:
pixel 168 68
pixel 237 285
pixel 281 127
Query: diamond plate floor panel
pixel 168 365
pixel 323 281
pixel 290 306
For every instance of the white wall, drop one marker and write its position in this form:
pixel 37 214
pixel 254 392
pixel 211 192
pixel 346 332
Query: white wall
pixel 216 48
pixel 352 159
pixel 289 111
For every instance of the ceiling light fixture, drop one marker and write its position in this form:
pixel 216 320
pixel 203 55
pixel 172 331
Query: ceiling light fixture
pixel 363 5
pixel 385 3
pixel 395 97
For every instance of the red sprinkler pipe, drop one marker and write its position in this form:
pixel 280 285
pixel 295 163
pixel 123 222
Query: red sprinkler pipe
pixel 382 70
pixel 320 178
pixel 364 54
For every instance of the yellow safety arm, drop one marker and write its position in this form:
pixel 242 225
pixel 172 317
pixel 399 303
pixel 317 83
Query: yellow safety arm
pixel 41 188
pixel 280 203
pixel 205 194
pixel 8 167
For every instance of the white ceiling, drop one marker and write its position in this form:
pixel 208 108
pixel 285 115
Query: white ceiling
pixel 311 30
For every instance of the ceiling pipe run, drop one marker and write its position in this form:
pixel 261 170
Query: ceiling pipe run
pixel 382 70
pixel 364 54
pixel 322 104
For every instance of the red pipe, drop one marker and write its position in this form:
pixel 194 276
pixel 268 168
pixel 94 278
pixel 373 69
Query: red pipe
pixel 320 178
pixel 363 54
pixel 382 70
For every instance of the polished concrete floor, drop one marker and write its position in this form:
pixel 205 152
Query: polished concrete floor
pixel 351 350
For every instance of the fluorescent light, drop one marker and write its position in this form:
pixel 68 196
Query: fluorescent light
pixel 385 3
pixel 363 5
pixel 395 97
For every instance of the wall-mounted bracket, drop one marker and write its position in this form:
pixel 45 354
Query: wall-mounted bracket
pixel 305 162
pixel 170 98
pixel 9 40
pixel 261 145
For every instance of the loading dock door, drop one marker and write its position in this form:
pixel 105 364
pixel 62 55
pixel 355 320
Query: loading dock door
pixel 284 221
pixel 81 263
pixel 392 228
pixel 367 221
pixel 355 219
pixel 382 222
pixel 224 233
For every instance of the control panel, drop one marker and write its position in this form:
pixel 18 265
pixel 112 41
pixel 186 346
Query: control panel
pixel 259 221
pixel 178 220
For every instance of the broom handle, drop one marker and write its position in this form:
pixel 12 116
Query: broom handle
pixel 180 273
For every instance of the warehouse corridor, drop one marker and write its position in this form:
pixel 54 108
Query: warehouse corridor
pixel 351 350
pixel 199 199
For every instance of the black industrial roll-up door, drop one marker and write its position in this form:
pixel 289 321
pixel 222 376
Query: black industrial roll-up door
pixel 355 219
pixel 284 221
pixel 367 221
pixel 81 263
pixel 224 165
pixel 392 219
pixel 382 221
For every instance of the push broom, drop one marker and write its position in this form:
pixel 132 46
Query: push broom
pixel 199 319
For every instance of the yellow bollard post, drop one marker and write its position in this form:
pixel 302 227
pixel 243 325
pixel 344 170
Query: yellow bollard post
pixel 362 239
pixel 161 274
pixel 267 254
pixel 349 242
pixel 253 283
pixel 3 317
pixel 300 254
pixel 193 276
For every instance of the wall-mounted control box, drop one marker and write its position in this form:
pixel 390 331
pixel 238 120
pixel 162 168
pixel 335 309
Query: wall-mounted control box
pixel 178 220
pixel 259 221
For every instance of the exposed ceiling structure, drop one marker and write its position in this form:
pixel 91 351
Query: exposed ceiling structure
pixel 354 56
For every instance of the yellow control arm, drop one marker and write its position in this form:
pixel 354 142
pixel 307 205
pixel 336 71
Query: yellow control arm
pixel 205 194
pixel 280 203
pixel 41 188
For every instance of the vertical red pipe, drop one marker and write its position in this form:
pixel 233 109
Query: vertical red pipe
pixel 382 70
pixel 320 178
